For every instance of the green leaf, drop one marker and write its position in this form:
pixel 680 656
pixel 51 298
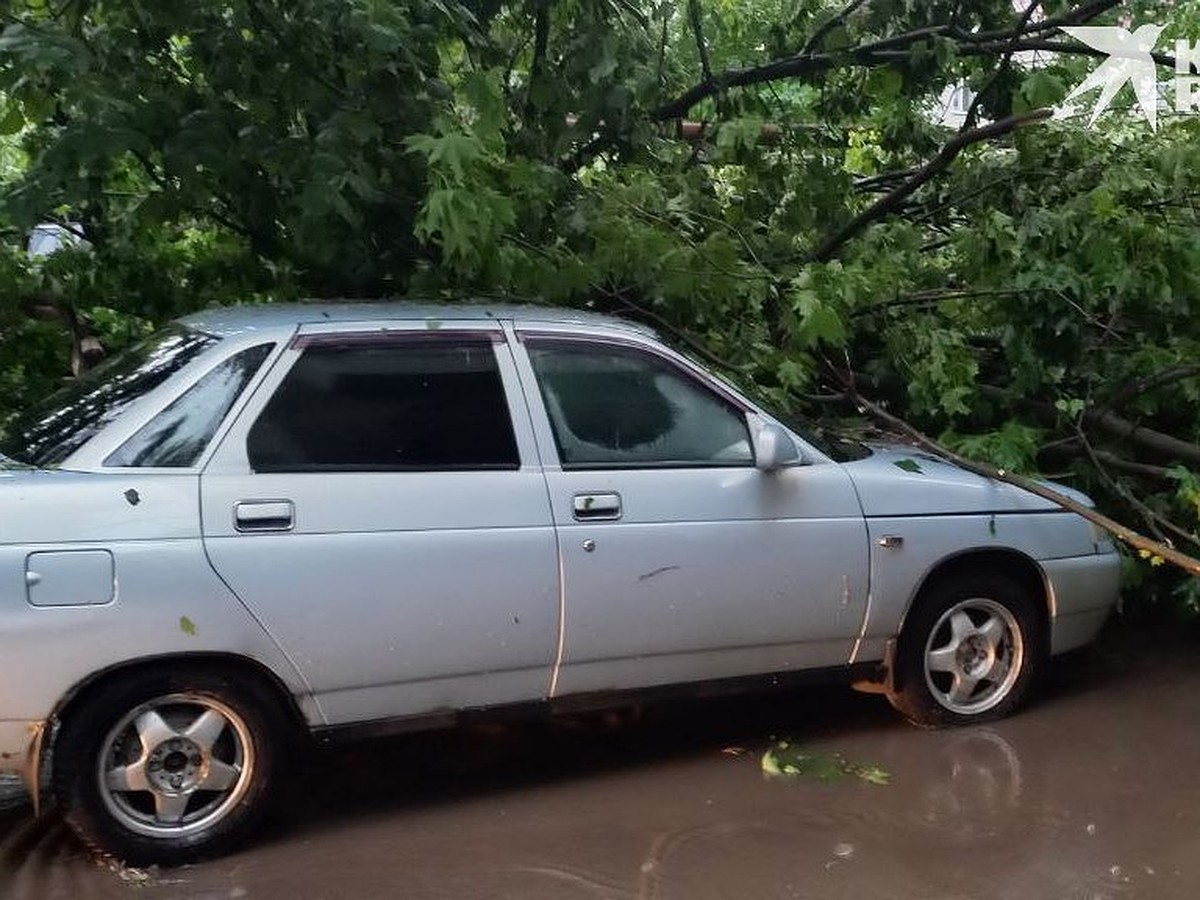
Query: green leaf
pixel 787 761
pixel 1042 89
pixel 909 465
pixel 818 322
pixel 873 774
pixel 740 134
pixel 602 70
pixel 885 83
pixel 450 154
pixel 12 121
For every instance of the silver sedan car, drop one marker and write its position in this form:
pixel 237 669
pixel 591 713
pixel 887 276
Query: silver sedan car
pixel 327 520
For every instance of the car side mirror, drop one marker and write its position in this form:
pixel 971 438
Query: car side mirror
pixel 773 446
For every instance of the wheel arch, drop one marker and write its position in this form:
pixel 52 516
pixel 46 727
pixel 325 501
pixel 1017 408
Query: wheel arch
pixel 1007 562
pixel 237 667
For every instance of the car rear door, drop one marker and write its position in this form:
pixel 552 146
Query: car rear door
pixel 379 507
pixel 681 560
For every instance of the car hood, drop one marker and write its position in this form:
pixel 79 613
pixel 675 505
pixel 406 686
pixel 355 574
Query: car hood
pixel 904 481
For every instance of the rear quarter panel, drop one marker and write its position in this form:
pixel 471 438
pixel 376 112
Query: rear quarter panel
pixel 165 599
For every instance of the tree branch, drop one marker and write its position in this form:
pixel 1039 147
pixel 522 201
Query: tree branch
pixel 541 42
pixel 892 201
pixel 1076 16
pixel 1075 49
pixel 1005 61
pixel 662 49
pixel 1146 470
pixel 1153 520
pixel 1140 386
pixel 696 21
pixel 1120 427
pixel 894 49
pixel 931 296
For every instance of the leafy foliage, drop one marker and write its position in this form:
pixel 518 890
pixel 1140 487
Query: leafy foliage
pixel 770 182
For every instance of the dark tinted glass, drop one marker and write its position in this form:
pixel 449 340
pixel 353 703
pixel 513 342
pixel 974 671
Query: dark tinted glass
pixel 406 404
pixel 618 407
pixel 178 435
pixel 54 429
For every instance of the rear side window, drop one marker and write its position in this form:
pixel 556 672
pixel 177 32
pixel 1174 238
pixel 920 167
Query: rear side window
pixel 404 404
pixel 178 435
pixel 54 429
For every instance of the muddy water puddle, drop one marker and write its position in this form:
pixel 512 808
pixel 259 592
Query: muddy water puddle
pixel 1092 793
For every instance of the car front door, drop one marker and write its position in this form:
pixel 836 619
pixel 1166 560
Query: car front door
pixel 681 560
pixel 379 507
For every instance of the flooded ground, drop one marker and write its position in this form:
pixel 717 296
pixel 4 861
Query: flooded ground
pixel 1092 793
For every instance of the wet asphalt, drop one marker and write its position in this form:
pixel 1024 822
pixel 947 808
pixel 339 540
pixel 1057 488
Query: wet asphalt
pixel 1092 792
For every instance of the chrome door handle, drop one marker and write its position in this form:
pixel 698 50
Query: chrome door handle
pixel 264 515
pixel 597 507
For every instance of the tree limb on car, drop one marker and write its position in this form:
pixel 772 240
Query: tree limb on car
pixel 1189 564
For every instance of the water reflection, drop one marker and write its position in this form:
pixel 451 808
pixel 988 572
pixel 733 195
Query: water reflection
pixel 975 789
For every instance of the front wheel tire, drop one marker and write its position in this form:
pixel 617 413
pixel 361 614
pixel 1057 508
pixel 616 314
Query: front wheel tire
pixel 969 653
pixel 167 767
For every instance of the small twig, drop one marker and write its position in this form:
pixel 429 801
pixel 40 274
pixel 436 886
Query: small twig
pixel 679 334
pixel 932 296
pixel 662 47
pixel 831 23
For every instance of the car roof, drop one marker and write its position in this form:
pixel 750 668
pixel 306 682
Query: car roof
pixel 231 320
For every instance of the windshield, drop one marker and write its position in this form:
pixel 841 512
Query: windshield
pixel 50 431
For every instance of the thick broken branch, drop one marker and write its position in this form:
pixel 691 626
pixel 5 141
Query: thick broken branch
pixel 1154 521
pixel 892 201
pixel 1077 16
pixel 893 49
pixel 1128 536
pixel 1118 426
pixel 1133 389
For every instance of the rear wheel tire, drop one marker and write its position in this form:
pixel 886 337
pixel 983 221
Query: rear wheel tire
pixel 970 652
pixel 164 768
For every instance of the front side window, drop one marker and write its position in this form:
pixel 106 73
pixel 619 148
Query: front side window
pixel 52 430
pixel 178 435
pixel 397 404
pixel 612 406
